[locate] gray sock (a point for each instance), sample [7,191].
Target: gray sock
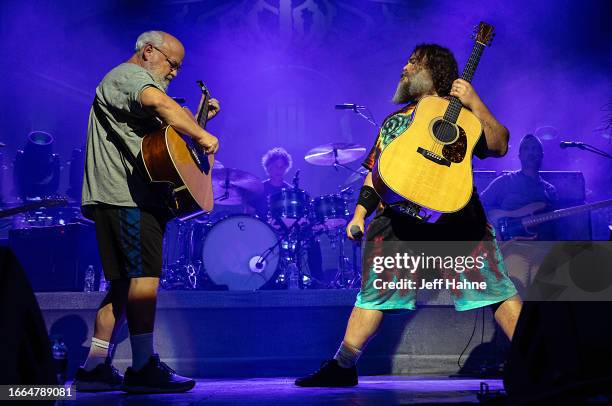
[347,356]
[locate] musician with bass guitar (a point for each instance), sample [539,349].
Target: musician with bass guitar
[130,215]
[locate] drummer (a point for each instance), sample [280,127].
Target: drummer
[276,162]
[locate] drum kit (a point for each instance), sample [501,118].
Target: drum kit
[240,251]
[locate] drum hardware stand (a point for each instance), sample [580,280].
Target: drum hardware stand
[184,272]
[289,256]
[226,186]
[347,276]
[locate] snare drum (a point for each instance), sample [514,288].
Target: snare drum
[241,252]
[289,205]
[330,210]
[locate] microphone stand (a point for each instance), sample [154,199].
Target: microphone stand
[369,119]
[590,148]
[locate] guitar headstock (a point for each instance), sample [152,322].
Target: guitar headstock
[484,33]
[203,87]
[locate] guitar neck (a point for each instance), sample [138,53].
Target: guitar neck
[202,113]
[454,108]
[570,211]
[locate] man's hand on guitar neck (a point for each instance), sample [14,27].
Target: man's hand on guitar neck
[495,133]
[213,108]
[174,115]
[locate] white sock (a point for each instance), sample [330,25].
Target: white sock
[142,349]
[97,353]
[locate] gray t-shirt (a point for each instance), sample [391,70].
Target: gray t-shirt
[109,174]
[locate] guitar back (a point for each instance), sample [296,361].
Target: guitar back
[418,167]
[168,158]
[198,180]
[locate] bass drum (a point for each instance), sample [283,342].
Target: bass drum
[241,252]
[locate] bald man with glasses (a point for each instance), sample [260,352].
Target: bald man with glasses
[130,216]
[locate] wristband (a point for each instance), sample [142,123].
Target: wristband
[369,199]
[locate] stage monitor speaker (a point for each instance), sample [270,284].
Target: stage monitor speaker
[561,350]
[55,258]
[24,343]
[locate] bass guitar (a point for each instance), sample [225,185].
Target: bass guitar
[515,224]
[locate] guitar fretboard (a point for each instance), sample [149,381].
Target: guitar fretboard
[553,215]
[454,108]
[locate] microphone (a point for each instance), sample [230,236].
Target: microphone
[296,179]
[348,106]
[257,264]
[356,232]
[572,144]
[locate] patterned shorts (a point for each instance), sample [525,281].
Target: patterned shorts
[389,226]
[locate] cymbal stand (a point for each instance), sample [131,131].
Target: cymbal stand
[183,273]
[347,275]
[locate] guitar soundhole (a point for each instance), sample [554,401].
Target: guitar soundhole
[444,131]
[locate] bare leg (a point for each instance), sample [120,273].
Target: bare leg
[111,313]
[507,315]
[362,327]
[141,304]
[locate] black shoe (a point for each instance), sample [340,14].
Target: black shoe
[330,375]
[155,377]
[104,377]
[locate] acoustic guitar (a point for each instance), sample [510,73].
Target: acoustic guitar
[515,224]
[182,165]
[430,163]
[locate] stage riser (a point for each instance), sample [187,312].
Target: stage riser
[258,334]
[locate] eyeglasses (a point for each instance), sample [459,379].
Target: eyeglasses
[174,65]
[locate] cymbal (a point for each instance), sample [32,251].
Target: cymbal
[336,152]
[359,175]
[218,165]
[234,186]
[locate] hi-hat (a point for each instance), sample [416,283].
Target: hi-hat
[234,186]
[334,153]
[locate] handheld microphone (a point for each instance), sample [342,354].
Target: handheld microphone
[348,106]
[568,144]
[356,232]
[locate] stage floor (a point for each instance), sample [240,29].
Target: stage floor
[372,390]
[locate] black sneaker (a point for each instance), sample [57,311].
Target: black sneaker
[104,377]
[155,377]
[330,375]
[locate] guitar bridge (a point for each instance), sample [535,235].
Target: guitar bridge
[440,160]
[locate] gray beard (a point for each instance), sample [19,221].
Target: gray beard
[160,80]
[419,84]
[163,83]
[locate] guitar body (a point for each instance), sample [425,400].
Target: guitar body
[418,167]
[509,223]
[171,158]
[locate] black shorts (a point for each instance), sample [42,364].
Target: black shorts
[129,240]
